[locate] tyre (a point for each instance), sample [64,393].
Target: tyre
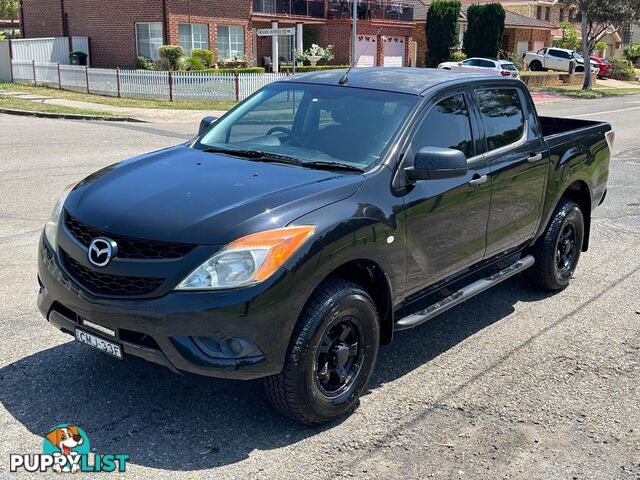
[535,66]
[331,355]
[557,251]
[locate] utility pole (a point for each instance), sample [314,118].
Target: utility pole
[354,17]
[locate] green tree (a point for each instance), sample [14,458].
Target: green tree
[632,52]
[8,9]
[569,38]
[598,16]
[483,37]
[441,29]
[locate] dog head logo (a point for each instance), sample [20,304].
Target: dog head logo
[69,441]
[65,438]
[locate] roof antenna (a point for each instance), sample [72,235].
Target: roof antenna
[344,79]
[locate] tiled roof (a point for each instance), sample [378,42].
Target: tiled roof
[511,19]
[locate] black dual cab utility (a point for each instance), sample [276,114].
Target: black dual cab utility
[294,235]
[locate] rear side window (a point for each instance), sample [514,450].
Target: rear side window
[509,66]
[501,116]
[446,126]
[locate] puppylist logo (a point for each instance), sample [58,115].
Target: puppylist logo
[66,449]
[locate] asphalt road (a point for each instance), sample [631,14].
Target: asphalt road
[512,384]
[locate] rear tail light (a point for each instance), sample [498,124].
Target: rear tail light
[505,73]
[611,138]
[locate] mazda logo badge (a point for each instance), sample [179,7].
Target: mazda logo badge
[101,251]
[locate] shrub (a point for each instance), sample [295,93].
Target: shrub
[309,68]
[514,58]
[632,52]
[172,54]
[483,36]
[161,65]
[441,28]
[235,70]
[457,56]
[191,63]
[144,63]
[622,69]
[205,56]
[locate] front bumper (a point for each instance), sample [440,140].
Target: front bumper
[161,330]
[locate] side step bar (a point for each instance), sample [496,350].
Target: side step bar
[463,294]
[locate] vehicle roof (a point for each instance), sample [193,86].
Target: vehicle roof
[399,80]
[568,50]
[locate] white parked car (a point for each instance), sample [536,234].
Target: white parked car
[484,65]
[557,59]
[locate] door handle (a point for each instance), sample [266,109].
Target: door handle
[535,158]
[478,180]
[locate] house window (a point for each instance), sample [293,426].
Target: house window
[149,39]
[285,47]
[571,17]
[230,41]
[562,15]
[547,13]
[193,36]
[539,12]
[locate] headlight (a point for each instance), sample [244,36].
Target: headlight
[248,260]
[51,227]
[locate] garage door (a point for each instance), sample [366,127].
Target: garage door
[393,51]
[366,51]
[522,48]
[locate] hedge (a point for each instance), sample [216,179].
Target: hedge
[225,70]
[309,68]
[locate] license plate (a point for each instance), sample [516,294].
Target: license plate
[99,343]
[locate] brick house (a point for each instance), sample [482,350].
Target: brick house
[121,29]
[522,33]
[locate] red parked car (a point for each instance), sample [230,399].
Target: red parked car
[604,66]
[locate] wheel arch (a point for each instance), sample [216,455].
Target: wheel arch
[580,193]
[370,276]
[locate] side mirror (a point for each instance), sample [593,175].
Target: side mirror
[206,123]
[431,163]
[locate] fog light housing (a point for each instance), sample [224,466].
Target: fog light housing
[227,347]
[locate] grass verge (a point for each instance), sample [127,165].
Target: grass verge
[20,104]
[118,102]
[598,92]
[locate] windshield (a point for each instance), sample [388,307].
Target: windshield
[577,56]
[313,123]
[509,66]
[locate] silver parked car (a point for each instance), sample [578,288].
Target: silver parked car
[484,65]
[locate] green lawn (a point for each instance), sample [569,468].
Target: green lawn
[20,104]
[119,102]
[597,92]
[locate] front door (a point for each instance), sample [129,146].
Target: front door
[518,160]
[446,220]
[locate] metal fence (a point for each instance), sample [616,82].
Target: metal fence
[142,83]
[52,49]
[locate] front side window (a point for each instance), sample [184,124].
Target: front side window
[149,39]
[313,123]
[447,126]
[230,41]
[193,36]
[502,116]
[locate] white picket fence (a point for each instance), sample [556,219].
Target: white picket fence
[142,83]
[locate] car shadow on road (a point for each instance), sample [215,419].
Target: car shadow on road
[187,423]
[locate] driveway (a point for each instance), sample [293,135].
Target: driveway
[512,384]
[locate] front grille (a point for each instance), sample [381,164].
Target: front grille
[127,247]
[106,284]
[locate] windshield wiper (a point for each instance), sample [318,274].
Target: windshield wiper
[262,156]
[333,166]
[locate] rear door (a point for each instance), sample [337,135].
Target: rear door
[446,219]
[518,160]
